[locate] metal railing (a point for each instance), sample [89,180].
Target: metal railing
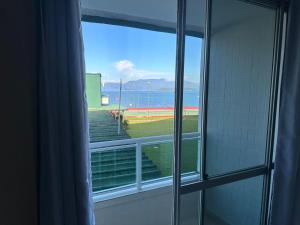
[137,144]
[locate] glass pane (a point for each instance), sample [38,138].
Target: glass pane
[113,168]
[192,84]
[192,90]
[190,213]
[237,203]
[240,70]
[190,156]
[157,160]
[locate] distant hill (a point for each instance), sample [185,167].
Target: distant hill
[148,85]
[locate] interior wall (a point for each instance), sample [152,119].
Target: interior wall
[17,121]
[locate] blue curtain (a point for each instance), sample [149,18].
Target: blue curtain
[286,189]
[64,182]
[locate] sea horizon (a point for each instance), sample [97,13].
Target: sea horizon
[151,98]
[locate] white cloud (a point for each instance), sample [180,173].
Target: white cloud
[124,65]
[128,71]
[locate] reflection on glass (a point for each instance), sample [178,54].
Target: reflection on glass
[237,203]
[113,168]
[239,85]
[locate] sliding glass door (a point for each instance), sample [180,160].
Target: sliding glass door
[238,89]
[182,98]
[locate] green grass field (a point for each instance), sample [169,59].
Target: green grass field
[161,154]
[141,127]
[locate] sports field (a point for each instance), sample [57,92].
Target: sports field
[161,154]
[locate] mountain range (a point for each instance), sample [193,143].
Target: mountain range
[148,85]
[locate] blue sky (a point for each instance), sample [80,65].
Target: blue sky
[130,53]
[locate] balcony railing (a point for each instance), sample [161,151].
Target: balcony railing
[132,165]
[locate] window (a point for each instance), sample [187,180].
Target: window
[229,84]
[130,91]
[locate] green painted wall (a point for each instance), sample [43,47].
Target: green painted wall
[93,89]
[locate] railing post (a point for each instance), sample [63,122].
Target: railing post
[138,160]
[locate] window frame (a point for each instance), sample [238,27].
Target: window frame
[230,177]
[195,184]
[140,186]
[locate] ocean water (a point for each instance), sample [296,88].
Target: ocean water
[138,99]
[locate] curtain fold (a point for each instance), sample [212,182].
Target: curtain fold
[64,182]
[286,189]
